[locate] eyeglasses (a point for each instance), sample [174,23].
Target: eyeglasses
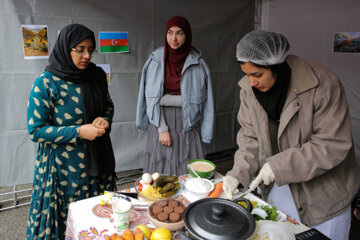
[83,51]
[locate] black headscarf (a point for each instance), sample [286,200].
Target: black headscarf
[94,92]
[274,99]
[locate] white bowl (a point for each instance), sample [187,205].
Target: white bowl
[199,187]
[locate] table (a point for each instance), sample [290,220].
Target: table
[88,220]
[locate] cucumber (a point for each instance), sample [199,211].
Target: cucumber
[168,194]
[167,187]
[176,187]
[164,179]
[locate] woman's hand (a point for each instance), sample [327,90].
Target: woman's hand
[165,138]
[265,175]
[230,186]
[101,123]
[90,132]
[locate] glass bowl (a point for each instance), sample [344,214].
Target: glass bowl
[143,197]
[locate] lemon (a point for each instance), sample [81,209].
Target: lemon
[144,229]
[161,234]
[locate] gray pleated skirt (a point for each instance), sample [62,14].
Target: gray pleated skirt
[184,147]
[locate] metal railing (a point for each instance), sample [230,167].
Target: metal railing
[15,199]
[128,178]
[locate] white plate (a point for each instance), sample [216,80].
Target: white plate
[252,197]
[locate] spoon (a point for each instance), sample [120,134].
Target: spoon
[193,170]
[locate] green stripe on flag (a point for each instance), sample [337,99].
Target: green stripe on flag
[114,48]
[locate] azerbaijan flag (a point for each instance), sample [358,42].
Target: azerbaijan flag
[114,42]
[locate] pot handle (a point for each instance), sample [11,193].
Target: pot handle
[217,211]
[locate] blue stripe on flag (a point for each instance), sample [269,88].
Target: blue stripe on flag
[113,35]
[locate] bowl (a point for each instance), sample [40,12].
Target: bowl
[168,224]
[143,197]
[246,203]
[199,187]
[204,168]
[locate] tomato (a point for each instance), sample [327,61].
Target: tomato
[140,187]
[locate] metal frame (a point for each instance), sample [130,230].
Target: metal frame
[128,178]
[257,16]
[15,199]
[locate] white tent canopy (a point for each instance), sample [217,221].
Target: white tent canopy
[216,26]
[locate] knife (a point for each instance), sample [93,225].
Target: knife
[251,187]
[245,193]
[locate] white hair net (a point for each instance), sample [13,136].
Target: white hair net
[262,48]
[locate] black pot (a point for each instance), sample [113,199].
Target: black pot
[218,219]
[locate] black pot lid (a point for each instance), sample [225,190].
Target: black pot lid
[217,218]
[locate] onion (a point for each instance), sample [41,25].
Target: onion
[260,212]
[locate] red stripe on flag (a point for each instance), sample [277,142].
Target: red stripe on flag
[114,42]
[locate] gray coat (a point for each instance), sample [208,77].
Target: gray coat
[316,154]
[196,93]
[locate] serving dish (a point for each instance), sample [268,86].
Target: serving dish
[143,197]
[253,198]
[168,223]
[193,187]
[204,174]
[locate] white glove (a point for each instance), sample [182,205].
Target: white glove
[230,186]
[265,174]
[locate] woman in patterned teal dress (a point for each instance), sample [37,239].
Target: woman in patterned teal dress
[69,115]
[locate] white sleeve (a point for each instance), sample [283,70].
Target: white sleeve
[162,124]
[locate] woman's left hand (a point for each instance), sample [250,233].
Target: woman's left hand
[165,138]
[100,122]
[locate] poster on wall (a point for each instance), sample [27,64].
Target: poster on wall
[114,42]
[106,68]
[35,41]
[347,42]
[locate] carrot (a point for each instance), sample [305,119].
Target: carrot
[139,234]
[218,189]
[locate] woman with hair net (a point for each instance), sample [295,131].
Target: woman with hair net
[295,137]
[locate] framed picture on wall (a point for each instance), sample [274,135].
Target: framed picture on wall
[35,41]
[347,42]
